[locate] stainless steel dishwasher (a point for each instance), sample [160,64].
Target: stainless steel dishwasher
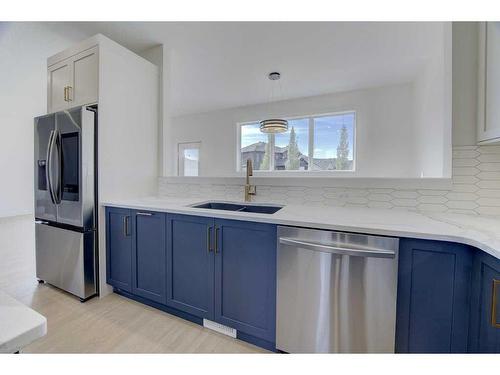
[336,292]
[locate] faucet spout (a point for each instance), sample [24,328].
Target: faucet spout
[249,189]
[249,170]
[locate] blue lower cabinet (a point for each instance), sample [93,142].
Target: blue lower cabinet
[190,259]
[245,277]
[225,270]
[149,263]
[433,297]
[197,268]
[485,305]
[119,248]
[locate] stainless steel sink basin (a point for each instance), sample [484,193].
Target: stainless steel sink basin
[239,207]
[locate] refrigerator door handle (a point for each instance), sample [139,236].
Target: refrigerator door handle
[48,172]
[58,145]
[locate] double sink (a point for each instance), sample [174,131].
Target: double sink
[238,207]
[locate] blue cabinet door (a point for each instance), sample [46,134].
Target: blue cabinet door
[485,305]
[433,297]
[190,260]
[245,277]
[149,263]
[119,248]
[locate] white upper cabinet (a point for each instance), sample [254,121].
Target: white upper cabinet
[59,78]
[85,77]
[488,125]
[73,81]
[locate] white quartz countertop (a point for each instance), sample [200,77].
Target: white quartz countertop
[482,232]
[19,325]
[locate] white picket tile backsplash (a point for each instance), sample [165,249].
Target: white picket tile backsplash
[475,189]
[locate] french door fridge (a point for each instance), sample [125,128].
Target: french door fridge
[65,200]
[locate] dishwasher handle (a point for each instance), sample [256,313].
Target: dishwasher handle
[358,251]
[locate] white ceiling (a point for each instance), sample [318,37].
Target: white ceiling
[216,65]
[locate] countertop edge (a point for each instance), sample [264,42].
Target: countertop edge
[34,324]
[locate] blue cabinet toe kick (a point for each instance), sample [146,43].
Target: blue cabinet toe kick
[271,346]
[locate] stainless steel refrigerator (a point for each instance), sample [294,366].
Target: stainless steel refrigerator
[66,200]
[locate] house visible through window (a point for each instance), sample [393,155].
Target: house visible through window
[254,145]
[312,143]
[189,159]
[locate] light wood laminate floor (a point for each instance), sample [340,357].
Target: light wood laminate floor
[112,324]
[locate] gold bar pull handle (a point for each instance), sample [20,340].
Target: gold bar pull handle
[69,93]
[209,241]
[494,302]
[65,93]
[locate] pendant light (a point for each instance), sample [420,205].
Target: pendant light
[274,125]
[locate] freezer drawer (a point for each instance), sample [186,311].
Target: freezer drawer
[65,259]
[336,292]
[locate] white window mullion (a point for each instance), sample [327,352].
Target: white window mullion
[311,143]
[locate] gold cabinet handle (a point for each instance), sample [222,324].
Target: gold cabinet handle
[494,302]
[209,242]
[217,240]
[67,96]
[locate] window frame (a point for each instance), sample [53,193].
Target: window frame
[180,156]
[271,140]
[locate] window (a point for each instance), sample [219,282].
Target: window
[189,159]
[254,145]
[291,149]
[312,143]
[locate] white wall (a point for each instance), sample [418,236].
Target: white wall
[157,56]
[429,123]
[398,136]
[24,48]
[128,123]
[384,126]
[465,66]
[433,110]
[161,57]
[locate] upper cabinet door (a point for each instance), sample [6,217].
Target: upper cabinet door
[59,79]
[245,277]
[85,78]
[489,83]
[190,261]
